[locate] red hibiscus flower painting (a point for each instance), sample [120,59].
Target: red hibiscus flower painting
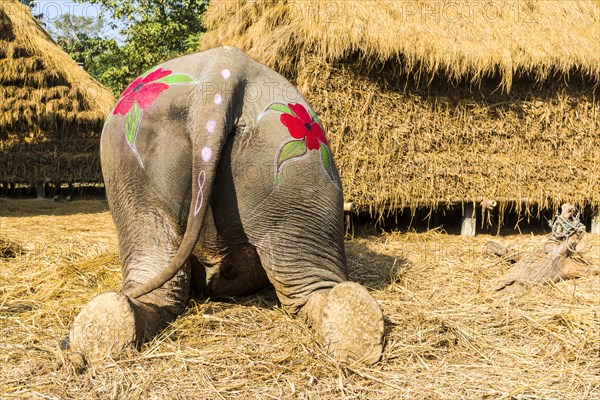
[141,94]
[144,91]
[304,125]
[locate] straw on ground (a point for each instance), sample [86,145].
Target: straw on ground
[447,334]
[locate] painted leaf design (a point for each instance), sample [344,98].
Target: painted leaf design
[326,160]
[292,149]
[280,107]
[177,78]
[133,120]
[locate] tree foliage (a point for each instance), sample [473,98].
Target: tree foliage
[84,40]
[153,31]
[31,4]
[28,3]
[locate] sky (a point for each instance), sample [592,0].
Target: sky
[51,9]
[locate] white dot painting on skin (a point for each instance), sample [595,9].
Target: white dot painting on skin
[206,154]
[210,126]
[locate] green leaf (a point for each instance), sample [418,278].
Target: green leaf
[133,120]
[290,150]
[315,117]
[177,78]
[280,107]
[326,160]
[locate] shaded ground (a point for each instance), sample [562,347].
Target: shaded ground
[447,335]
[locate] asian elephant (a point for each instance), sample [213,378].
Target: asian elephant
[219,178]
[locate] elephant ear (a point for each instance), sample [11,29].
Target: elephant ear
[290,150]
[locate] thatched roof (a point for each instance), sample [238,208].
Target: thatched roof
[430,103]
[51,110]
[461,39]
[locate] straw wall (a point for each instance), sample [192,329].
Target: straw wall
[51,110]
[400,145]
[433,103]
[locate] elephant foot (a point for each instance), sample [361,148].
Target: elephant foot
[349,323]
[104,328]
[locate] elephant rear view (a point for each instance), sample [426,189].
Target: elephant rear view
[219,178]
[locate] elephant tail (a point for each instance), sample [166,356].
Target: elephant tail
[211,120]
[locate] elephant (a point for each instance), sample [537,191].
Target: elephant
[220,180]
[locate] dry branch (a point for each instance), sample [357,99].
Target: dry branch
[554,261]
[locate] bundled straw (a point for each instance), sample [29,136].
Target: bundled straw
[434,103]
[9,249]
[51,110]
[458,39]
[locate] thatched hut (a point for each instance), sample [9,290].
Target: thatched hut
[431,103]
[51,110]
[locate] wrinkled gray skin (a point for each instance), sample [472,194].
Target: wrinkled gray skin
[251,230]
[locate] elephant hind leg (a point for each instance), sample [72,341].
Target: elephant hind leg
[346,319]
[104,328]
[113,321]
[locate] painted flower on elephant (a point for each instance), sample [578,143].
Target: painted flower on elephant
[141,94]
[144,91]
[304,125]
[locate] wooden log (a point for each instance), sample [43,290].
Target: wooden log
[498,250]
[596,223]
[469,220]
[40,189]
[349,206]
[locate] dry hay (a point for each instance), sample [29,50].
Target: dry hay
[459,39]
[8,248]
[447,336]
[437,103]
[51,110]
[434,146]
